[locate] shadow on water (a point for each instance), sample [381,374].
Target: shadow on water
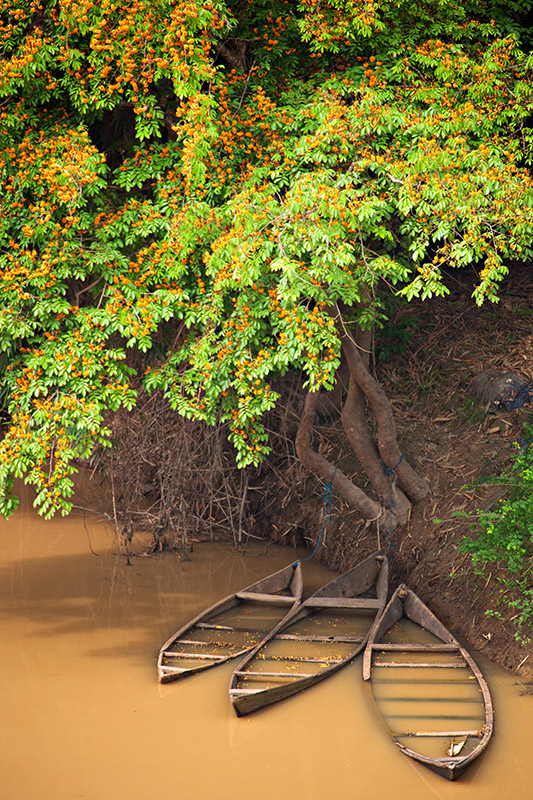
[94,590]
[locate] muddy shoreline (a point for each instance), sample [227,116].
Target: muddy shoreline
[444,434]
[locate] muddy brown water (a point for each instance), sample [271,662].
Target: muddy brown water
[83,715]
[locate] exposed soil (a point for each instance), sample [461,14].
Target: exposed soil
[444,432]
[456,443]
[448,436]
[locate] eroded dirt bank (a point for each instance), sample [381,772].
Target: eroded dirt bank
[185,476]
[448,436]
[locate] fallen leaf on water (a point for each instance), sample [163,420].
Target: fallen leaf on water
[456,747]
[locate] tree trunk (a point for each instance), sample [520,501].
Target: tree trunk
[354,496]
[393,480]
[355,426]
[412,484]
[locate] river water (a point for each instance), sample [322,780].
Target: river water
[83,715]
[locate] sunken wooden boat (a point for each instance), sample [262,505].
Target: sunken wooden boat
[232,626]
[320,637]
[429,691]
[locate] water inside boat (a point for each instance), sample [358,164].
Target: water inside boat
[290,657]
[415,700]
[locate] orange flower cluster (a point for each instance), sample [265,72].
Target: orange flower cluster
[13,68]
[331,24]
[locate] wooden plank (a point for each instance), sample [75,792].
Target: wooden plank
[266,598]
[415,648]
[444,734]
[326,659]
[251,674]
[173,654]
[432,681]
[197,641]
[439,665]
[302,637]
[343,602]
[234,692]
[211,627]
[167,668]
[203,656]
[394,699]
[207,643]
[446,760]
[472,717]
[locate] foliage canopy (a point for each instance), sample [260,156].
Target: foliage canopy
[223,186]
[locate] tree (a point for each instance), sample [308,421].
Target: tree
[229,188]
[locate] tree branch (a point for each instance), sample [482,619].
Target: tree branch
[236,59]
[320,466]
[387,441]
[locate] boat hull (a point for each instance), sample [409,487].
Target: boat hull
[209,639]
[428,658]
[302,642]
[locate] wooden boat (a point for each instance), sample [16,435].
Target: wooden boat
[320,637]
[427,687]
[232,626]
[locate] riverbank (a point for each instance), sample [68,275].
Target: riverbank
[444,432]
[81,631]
[450,439]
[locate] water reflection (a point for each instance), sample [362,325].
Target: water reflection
[84,716]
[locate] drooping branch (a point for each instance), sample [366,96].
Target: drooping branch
[330,403]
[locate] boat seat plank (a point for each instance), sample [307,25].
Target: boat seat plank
[431,681]
[202,644]
[266,598]
[166,669]
[416,648]
[394,699]
[311,637]
[253,674]
[234,692]
[212,627]
[472,717]
[203,656]
[343,602]
[309,659]
[446,760]
[443,734]
[439,665]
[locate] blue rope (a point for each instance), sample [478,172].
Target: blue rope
[391,471]
[327,496]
